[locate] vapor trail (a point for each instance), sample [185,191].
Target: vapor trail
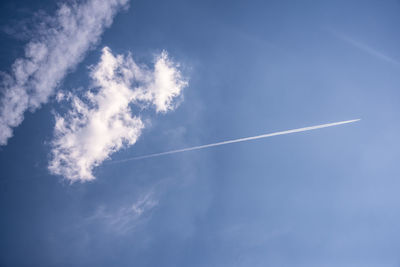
[304,129]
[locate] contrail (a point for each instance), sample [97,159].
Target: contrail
[304,129]
[364,47]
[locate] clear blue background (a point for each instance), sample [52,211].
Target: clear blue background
[323,198]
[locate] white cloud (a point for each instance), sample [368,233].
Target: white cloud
[102,122]
[58,46]
[124,219]
[144,204]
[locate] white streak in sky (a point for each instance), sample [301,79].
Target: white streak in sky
[372,51]
[304,129]
[124,219]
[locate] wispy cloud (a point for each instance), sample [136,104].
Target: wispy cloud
[102,122]
[56,48]
[366,48]
[124,219]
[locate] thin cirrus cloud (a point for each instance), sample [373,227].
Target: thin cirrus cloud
[102,122]
[124,219]
[56,48]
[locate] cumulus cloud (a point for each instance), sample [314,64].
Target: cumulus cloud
[58,46]
[101,122]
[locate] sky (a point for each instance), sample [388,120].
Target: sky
[87,84]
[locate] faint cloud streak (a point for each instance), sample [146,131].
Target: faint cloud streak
[369,50]
[124,219]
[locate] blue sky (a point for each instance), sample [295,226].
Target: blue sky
[231,69]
